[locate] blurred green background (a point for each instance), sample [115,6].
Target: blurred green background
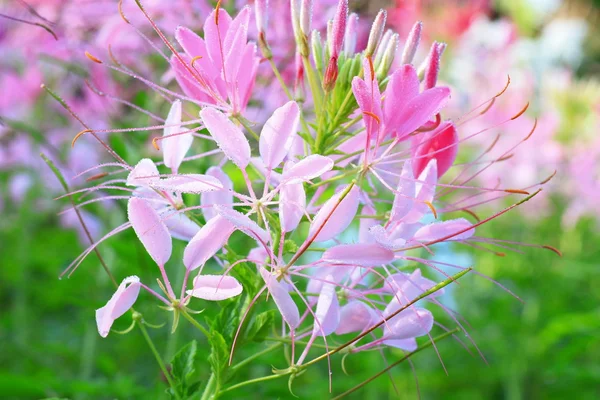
[546,347]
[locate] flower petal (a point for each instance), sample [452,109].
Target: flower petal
[410,323]
[440,144]
[121,301]
[335,216]
[243,223]
[362,254]
[215,287]
[286,305]
[355,316]
[277,134]
[421,109]
[228,136]
[439,230]
[143,174]
[405,198]
[223,196]
[150,229]
[327,313]
[209,239]
[189,183]
[308,168]
[176,144]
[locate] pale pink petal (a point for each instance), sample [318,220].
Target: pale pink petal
[355,316]
[215,287]
[150,229]
[362,254]
[308,168]
[334,216]
[383,238]
[286,305]
[292,203]
[409,344]
[440,144]
[365,224]
[214,34]
[440,230]
[189,183]
[227,135]
[405,198]
[243,223]
[410,323]
[143,174]
[425,188]
[175,147]
[120,302]
[209,239]
[410,285]
[277,134]
[223,196]
[328,309]
[180,226]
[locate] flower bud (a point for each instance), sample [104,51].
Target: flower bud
[299,90]
[382,46]
[317,49]
[331,74]
[388,57]
[338,29]
[301,39]
[433,65]
[306,16]
[350,36]
[412,43]
[376,33]
[261,15]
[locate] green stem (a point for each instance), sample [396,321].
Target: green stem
[246,125]
[315,88]
[251,381]
[159,360]
[428,344]
[280,78]
[255,355]
[208,389]
[197,324]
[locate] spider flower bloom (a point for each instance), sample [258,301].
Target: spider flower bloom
[220,68]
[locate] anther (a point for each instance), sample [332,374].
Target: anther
[432,208]
[155,143]
[372,115]
[521,112]
[80,134]
[97,176]
[93,58]
[505,87]
[517,191]
[553,249]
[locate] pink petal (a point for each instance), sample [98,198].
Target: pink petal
[439,230]
[405,198]
[175,147]
[215,34]
[223,196]
[209,239]
[277,134]
[410,323]
[308,168]
[143,174]
[328,309]
[179,225]
[215,287]
[190,84]
[120,302]
[292,204]
[243,223]
[189,183]
[410,285]
[283,300]
[402,88]
[425,188]
[228,136]
[355,316]
[403,344]
[150,229]
[421,109]
[362,254]
[365,224]
[440,144]
[333,218]
[195,46]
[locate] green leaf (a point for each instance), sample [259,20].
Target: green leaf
[260,326]
[290,247]
[219,355]
[183,370]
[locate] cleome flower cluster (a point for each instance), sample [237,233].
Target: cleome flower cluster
[344,186]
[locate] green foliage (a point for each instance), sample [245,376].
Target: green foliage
[183,371]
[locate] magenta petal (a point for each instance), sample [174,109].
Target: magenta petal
[209,239]
[227,135]
[120,302]
[308,168]
[286,305]
[189,183]
[277,134]
[175,147]
[215,287]
[334,218]
[440,144]
[402,88]
[421,109]
[355,316]
[243,223]
[150,229]
[440,230]
[143,174]
[223,197]
[214,34]
[328,309]
[361,254]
